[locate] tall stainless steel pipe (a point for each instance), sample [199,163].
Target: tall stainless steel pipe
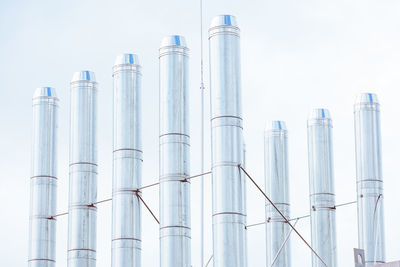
[43,182]
[277,188]
[322,192]
[127,164]
[371,235]
[229,215]
[175,231]
[83,171]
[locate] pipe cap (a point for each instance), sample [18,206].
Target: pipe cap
[319,114]
[126,58]
[319,117]
[366,98]
[173,40]
[84,75]
[277,126]
[45,92]
[224,20]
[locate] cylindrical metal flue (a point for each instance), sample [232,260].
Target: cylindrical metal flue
[229,216]
[277,188]
[175,231]
[43,181]
[82,212]
[127,164]
[322,192]
[371,235]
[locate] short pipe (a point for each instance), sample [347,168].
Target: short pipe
[43,181]
[371,233]
[322,192]
[277,188]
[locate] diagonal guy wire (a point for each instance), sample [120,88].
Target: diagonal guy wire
[281,214]
[147,207]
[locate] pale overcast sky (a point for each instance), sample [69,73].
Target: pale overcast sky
[296,55]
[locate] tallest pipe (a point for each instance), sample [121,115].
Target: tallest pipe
[42,227]
[229,213]
[371,236]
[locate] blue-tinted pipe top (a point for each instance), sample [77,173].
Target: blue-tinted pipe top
[173,40]
[85,75]
[277,125]
[45,92]
[127,58]
[224,20]
[320,113]
[367,98]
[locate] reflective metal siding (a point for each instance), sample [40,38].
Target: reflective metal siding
[277,188]
[127,163]
[371,234]
[83,171]
[229,216]
[43,181]
[175,225]
[322,192]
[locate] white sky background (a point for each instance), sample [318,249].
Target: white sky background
[295,55]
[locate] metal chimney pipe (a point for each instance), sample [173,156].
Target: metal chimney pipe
[277,188]
[322,193]
[175,231]
[127,164]
[43,182]
[82,212]
[371,235]
[229,216]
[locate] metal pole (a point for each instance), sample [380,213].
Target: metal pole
[175,231]
[43,181]
[277,188]
[229,217]
[202,138]
[83,171]
[322,193]
[127,164]
[371,234]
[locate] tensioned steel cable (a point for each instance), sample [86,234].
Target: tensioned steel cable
[209,260]
[136,191]
[291,230]
[302,217]
[345,204]
[101,201]
[60,214]
[251,179]
[283,244]
[283,216]
[375,225]
[147,207]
